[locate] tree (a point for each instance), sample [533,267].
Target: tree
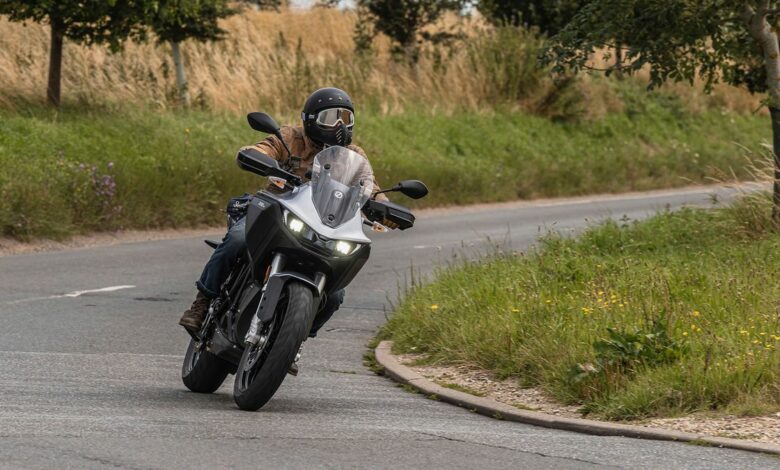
[175,21]
[550,16]
[734,41]
[403,20]
[82,21]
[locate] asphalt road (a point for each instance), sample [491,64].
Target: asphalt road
[92,379]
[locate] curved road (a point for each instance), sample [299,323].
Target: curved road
[91,379]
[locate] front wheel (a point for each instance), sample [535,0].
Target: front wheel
[202,372]
[263,368]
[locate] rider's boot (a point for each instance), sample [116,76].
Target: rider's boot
[293,369]
[193,318]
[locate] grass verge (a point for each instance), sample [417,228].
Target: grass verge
[667,316]
[78,171]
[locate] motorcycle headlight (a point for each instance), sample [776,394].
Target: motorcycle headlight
[344,248]
[296,225]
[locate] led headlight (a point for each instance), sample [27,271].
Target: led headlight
[296,225]
[344,248]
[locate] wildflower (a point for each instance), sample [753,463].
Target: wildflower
[187,130]
[548,301]
[693,327]
[755,341]
[685,333]
[743,332]
[434,307]
[515,310]
[695,313]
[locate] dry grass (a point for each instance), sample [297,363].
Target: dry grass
[272,60]
[269,60]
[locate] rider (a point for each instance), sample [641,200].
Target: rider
[328,119]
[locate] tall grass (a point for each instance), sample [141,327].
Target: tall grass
[271,61]
[671,315]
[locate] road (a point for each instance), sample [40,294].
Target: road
[91,379]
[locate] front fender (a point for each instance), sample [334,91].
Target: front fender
[273,290]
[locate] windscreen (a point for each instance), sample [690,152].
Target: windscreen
[341,182]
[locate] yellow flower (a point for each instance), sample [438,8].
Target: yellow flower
[434,307]
[685,333]
[693,327]
[515,310]
[755,341]
[743,332]
[548,301]
[695,313]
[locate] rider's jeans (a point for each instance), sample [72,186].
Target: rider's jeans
[219,265]
[221,262]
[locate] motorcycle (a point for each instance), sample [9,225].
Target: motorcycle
[301,246]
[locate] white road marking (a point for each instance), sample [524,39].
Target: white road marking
[74,294]
[81,292]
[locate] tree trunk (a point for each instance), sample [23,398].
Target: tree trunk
[181,78]
[766,36]
[55,64]
[618,60]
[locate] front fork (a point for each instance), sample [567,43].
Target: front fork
[253,335]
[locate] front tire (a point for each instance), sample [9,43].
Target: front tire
[202,372]
[262,370]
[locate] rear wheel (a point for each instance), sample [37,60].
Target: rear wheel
[263,367]
[202,372]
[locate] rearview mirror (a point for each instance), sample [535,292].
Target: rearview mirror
[414,189]
[263,123]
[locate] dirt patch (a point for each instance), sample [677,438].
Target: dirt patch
[466,378]
[10,246]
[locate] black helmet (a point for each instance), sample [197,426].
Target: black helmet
[328,117]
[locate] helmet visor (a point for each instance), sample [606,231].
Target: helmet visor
[334,116]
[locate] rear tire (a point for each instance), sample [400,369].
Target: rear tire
[203,372]
[256,383]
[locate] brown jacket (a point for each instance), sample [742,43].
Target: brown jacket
[303,150]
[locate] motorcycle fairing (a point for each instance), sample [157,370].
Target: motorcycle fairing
[265,229]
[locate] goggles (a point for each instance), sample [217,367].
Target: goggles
[334,116]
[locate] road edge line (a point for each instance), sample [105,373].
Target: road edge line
[497,410]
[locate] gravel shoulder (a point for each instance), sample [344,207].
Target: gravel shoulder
[11,246]
[478,382]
